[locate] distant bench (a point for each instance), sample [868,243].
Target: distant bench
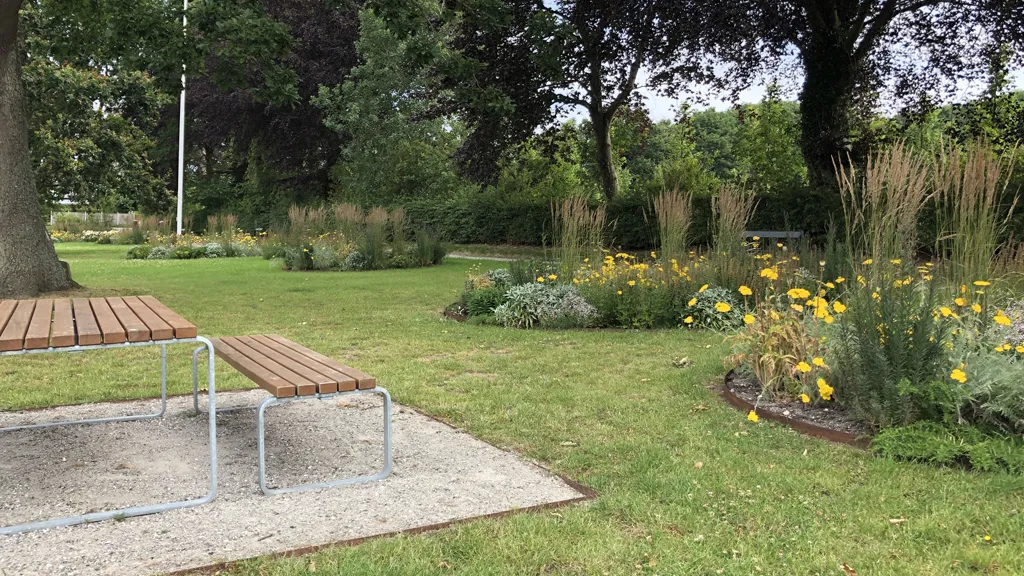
[789,235]
[292,372]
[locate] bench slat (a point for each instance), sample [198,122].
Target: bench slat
[136,328]
[63,332]
[38,334]
[159,329]
[86,328]
[113,332]
[258,374]
[303,387]
[324,384]
[13,336]
[345,382]
[364,381]
[182,328]
[6,310]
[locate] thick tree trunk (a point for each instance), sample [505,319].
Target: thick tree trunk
[825,108]
[606,164]
[28,262]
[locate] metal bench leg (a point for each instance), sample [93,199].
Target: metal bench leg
[262,452]
[152,508]
[195,388]
[134,418]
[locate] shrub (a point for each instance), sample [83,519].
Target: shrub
[429,249]
[500,277]
[555,305]
[214,250]
[482,302]
[138,252]
[159,253]
[374,240]
[674,210]
[300,258]
[935,443]
[355,261]
[713,307]
[188,252]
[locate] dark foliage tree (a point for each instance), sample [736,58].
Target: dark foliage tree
[851,50]
[518,63]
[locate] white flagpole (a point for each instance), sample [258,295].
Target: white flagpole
[181,134]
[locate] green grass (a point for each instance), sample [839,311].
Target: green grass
[607,408]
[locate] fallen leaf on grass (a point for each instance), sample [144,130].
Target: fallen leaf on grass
[848,571]
[897,521]
[569,443]
[683,362]
[698,465]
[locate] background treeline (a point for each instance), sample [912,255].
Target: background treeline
[316,102]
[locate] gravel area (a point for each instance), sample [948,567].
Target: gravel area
[440,474]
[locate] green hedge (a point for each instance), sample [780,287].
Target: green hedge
[484,218]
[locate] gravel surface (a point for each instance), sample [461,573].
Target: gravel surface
[440,474]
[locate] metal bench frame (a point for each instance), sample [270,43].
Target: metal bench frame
[135,510]
[261,410]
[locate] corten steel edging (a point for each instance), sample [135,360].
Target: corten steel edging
[798,425]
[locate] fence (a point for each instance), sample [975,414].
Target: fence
[100,219]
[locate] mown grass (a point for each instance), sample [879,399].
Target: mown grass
[687,485]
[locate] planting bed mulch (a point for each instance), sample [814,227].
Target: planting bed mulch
[829,421]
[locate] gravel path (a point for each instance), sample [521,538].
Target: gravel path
[440,474]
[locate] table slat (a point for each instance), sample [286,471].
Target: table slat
[38,334]
[159,329]
[13,336]
[86,327]
[136,328]
[324,384]
[365,381]
[303,387]
[258,374]
[113,332]
[345,382]
[182,328]
[63,332]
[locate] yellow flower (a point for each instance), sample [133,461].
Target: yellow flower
[958,375]
[868,262]
[749,319]
[797,307]
[839,307]
[976,308]
[803,367]
[819,362]
[798,293]
[779,245]
[552,277]
[654,255]
[840,280]
[540,279]
[770,274]
[946,312]
[960,302]
[692,302]
[746,291]
[752,416]
[1020,349]
[829,285]
[702,289]
[805,398]
[824,390]
[620,292]
[688,320]
[829,319]
[1002,319]
[982,283]
[631,283]
[722,307]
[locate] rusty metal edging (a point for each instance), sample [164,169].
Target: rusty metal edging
[798,425]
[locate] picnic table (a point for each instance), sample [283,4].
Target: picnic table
[63,325]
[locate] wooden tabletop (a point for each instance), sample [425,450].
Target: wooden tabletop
[66,322]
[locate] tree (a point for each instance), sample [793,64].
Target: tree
[519,62]
[852,49]
[28,261]
[767,145]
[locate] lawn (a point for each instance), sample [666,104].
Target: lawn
[686,484]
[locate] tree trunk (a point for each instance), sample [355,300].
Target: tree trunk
[606,164]
[28,262]
[825,108]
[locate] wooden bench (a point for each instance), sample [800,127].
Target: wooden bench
[291,372]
